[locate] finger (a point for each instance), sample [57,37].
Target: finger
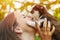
[53,29]
[38,27]
[49,26]
[44,24]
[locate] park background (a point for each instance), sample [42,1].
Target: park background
[25,6]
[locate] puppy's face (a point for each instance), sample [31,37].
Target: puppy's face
[35,15]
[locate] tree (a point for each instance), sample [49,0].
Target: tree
[1,15]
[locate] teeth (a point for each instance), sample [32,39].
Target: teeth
[32,23]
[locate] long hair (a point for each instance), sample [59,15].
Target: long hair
[6,25]
[43,11]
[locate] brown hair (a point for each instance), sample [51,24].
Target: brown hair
[42,11]
[6,32]
[38,8]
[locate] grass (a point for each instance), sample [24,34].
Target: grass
[37,38]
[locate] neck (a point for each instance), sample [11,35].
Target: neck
[27,36]
[28,33]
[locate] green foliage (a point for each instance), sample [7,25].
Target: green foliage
[25,5]
[57,13]
[37,38]
[1,15]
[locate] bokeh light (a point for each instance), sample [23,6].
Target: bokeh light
[25,6]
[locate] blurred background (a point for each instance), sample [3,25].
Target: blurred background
[25,6]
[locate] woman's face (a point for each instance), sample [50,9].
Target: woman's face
[18,29]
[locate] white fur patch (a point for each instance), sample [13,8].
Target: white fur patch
[32,23]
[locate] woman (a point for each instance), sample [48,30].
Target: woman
[11,26]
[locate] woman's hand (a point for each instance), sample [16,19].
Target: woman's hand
[44,32]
